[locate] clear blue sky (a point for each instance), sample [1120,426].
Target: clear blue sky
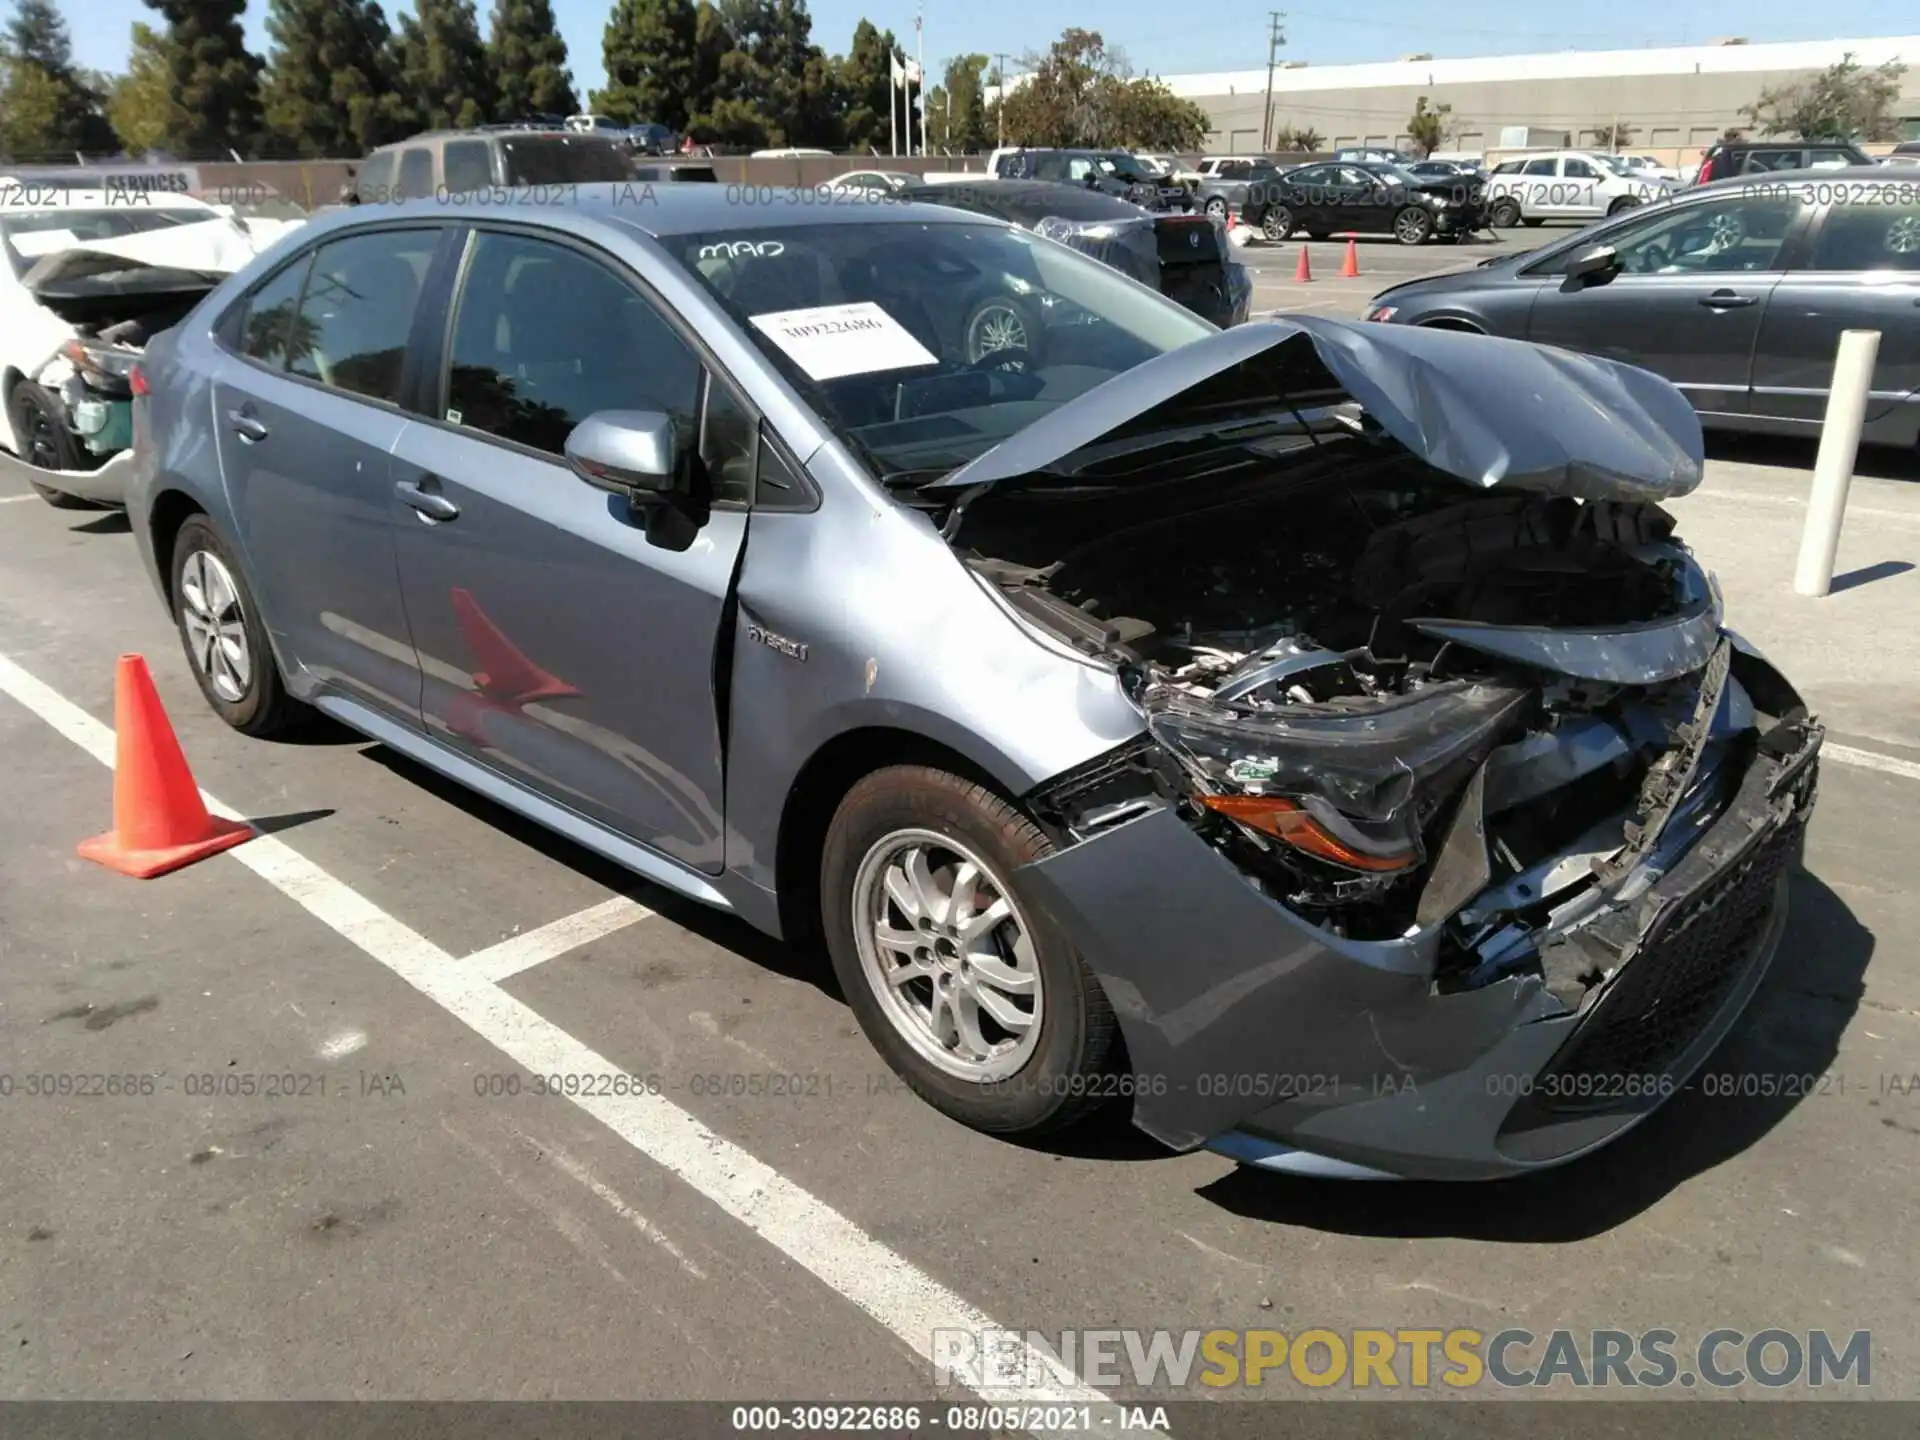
[1172,36]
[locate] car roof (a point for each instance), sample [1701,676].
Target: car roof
[666,209]
[1863,173]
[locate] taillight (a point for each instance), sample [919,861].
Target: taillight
[137,381]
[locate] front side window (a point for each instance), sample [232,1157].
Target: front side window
[925,344]
[1869,237]
[1540,167]
[1734,234]
[1828,159]
[351,330]
[1773,160]
[544,336]
[416,175]
[1580,170]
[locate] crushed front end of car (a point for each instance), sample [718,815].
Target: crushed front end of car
[1458,831]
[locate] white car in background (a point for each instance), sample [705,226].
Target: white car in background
[877,182]
[87,277]
[1563,185]
[1642,167]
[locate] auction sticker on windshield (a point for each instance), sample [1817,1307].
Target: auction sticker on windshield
[829,341]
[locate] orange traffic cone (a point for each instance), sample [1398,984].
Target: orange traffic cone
[1350,267]
[159,822]
[1302,272]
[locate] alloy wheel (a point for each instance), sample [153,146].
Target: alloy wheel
[948,955]
[995,327]
[1411,227]
[1277,224]
[215,625]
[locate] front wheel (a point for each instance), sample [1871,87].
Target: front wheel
[1413,226]
[1504,213]
[225,638]
[1277,224]
[967,991]
[1217,209]
[999,323]
[41,438]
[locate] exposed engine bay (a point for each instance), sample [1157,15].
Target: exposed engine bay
[93,376]
[1327,670]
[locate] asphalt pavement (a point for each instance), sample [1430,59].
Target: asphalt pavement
[339,1185]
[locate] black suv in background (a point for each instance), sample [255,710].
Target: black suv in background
[1111,172]
[458,162]
[1753,157]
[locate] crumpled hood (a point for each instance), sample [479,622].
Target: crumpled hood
[213,247]
[1484,410]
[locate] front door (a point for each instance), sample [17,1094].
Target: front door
[557,645]
[1862,273]
[306,410]
[1686,299]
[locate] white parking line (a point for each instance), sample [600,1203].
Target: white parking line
[883,1283]
[9,499]
[1871,760]
[536,947]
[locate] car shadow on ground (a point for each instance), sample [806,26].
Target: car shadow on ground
[108,522]
[714,926]
[1785,1042]
[1795,452]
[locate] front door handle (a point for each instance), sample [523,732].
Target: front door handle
[246,425]
[431,504]
[1725,300]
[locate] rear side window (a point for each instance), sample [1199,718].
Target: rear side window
[374,184]
[545,336]
[351,331]
[269,315]
[1869,237]
[416,175]
[1539,167]
[1772,160]
[468,165]
[1829,159]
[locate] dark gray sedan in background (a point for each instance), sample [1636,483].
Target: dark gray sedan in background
[1269,729]
[1737,292]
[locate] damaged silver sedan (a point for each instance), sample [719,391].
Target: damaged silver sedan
[1310,735]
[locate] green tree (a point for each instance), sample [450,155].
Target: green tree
[443,66]
[216,79]
[1845,101]
[1298,138]
[1613,135]
[649,53]
[957,107]
[1081,93]
[866,77]
[529,60]
[1428,125]
[328,88]
[140,103]
[48,108]
[712,42]
[774,86]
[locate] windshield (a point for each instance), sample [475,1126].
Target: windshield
[564,160]
[27,235]
[925,345]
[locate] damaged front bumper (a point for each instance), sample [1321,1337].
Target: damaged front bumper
[1269,1039]
[106,485]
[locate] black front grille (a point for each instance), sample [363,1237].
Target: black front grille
[1690,961]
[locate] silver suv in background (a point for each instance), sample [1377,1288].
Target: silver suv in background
[461,162]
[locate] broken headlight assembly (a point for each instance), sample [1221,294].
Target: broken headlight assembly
[99,393]
[102,366]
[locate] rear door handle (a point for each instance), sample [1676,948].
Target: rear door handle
[431,504]
[246,425]
[1725,300]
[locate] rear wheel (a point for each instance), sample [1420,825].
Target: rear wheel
[967,991]
[42,440]
[1277,224]
[1217,208]
[225,638]
[1624,202]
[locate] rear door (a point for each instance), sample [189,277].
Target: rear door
[558,645]
[1687,298]
[1861,271]
[307,412]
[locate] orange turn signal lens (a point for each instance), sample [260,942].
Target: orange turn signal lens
[1283,819]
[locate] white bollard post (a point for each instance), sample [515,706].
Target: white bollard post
[1833,467]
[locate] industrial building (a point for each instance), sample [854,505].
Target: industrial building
[1675,99]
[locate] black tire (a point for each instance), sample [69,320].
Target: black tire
[1078,1045]
[41,439]
[1504,213]
[1624,202]
[1277,224]
[263,709]
[1217,209]
[1413,225]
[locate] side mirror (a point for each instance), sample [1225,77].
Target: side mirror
[629,452]
[1600,260]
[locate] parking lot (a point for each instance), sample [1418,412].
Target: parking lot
[1382,261]
[397,959]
